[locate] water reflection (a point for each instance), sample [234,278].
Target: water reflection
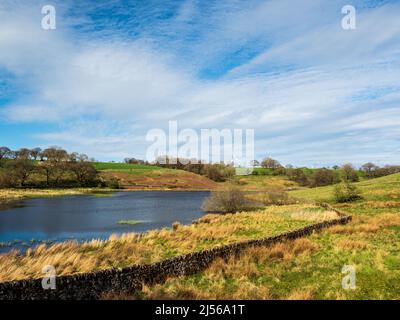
[25,223]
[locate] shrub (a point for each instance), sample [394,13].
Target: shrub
[299,176]
[270,163]
[380,172]
[85,173]
[176,225]
[218,172]
[6,180]
[276,195]
[113,184]
[280,171]
[349,173]
[346,192]
[20,170]
[324,177]
[228,200]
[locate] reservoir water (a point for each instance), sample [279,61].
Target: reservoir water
[30,222]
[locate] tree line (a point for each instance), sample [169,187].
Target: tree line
[218,172]
[325,176]
[51,167]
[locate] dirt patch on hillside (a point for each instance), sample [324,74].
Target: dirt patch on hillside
[155,180]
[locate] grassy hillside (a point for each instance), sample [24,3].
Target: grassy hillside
[144,177]
[379,189]
[258,183]
[159,179]
[122,166]
[311,268]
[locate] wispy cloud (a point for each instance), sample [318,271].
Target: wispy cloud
[314,93]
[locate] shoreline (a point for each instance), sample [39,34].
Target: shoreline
[13,194]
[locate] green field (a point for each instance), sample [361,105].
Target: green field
[307,171]
[122,166]
[380,189]
[311,267]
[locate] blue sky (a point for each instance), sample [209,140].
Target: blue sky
[315,94]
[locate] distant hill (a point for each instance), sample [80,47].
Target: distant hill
[135,176]
[377,189]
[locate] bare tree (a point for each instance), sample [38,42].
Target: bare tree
[4,152]
[349,174]
[324,177]
[83,158]
[20,169]
[24,153]
[73,156]
[270,163]
[55,154]
[35,153]
[255,163]
[84,171]
[369,167]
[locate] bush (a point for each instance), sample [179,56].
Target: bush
[218,172]
[112,184]
[324,177]
[176,225]
[228,200]
[270,163]
[20,170]
[84,172]
[346,192]
[276,195]
[6,180]
[380,172]
[280,171]
[299,176]
[348,173]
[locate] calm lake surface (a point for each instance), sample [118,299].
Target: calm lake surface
[33,221]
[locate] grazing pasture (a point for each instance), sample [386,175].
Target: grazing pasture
[311,268]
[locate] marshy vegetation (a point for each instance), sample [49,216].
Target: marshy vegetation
[271,201]
[129,249]
[311,268]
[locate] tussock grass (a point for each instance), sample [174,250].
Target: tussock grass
[236,279]
[129,249]
[310,268]
[18,194]
[307,268]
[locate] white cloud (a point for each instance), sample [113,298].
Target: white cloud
[106,93]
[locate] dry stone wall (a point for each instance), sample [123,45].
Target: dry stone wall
[94,285]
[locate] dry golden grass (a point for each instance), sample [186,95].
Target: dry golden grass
[233,279]
[303,269]
[301,294]
[314,216]
[310,268]
[17,194]
[261,183]
[129,249]
[348,244]
[382,204]
[368,224]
